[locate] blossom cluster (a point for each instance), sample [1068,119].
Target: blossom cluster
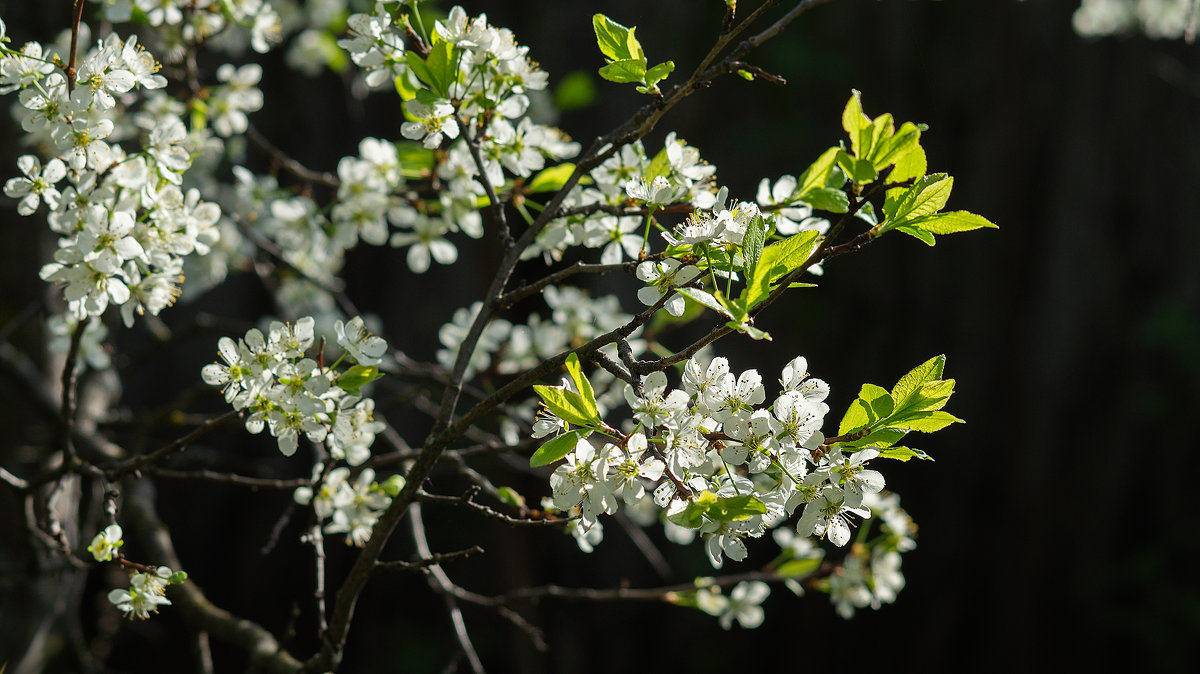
[713,437]
[270,378]
[474,91]
[280,389]
[146,592]
[351,506]
[124,219]
[178,22]
[147,585]
[718,464]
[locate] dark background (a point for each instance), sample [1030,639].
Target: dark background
[1056,524]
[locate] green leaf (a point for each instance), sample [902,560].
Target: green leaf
[817,176]
[583,386]
[924,236]
[557,448]
[625,71]
[828,199]
[356,377]
[861,171]
[903,454]
[613,38]
[660,165]
[878,400]
[873,403]
[892,149]
[910,384]
[418,67]
[633,46]
[551,179]
[923,422]
[734,508]
[510,496]
[746,75]
[708,505]
[784,257]
[576,90]
[566,405]
[414,158]
[177,578]
[704,298]
[949,223]
[910,167]
[925,197]
[884,437]
[752,243]
[438,70]
[692,516]
[873,136]
[754,333]
[856,418]
[659,72]
[799,568]
[854,121]
[933,395]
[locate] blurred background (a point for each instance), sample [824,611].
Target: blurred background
[1054,525]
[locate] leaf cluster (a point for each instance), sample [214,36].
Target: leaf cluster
[880,418]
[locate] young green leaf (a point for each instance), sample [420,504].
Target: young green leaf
[567,405]
[798,568]
[856,418]
[903,454]
[817,176]
[828,199]
[776,261]
[625,71]
[883,437]
[708,505]
[949,223]
[894,148]
[352,380]
[558,447]
[704,298]
[613,38]
[925,197]
[551,179]
[879,401]
[910,384]
[924,236]
[854,121]
[752,243]
[861,171]
[910,167]
[923,422]
[582,385]
[659,72]
[510,496]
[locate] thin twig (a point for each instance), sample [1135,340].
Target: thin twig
[254,483]
[317,539]
[138,462]
[466,502]
[425,562]
[521,292]
[644,545]
[440,581]
[291,165]
[497,207]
